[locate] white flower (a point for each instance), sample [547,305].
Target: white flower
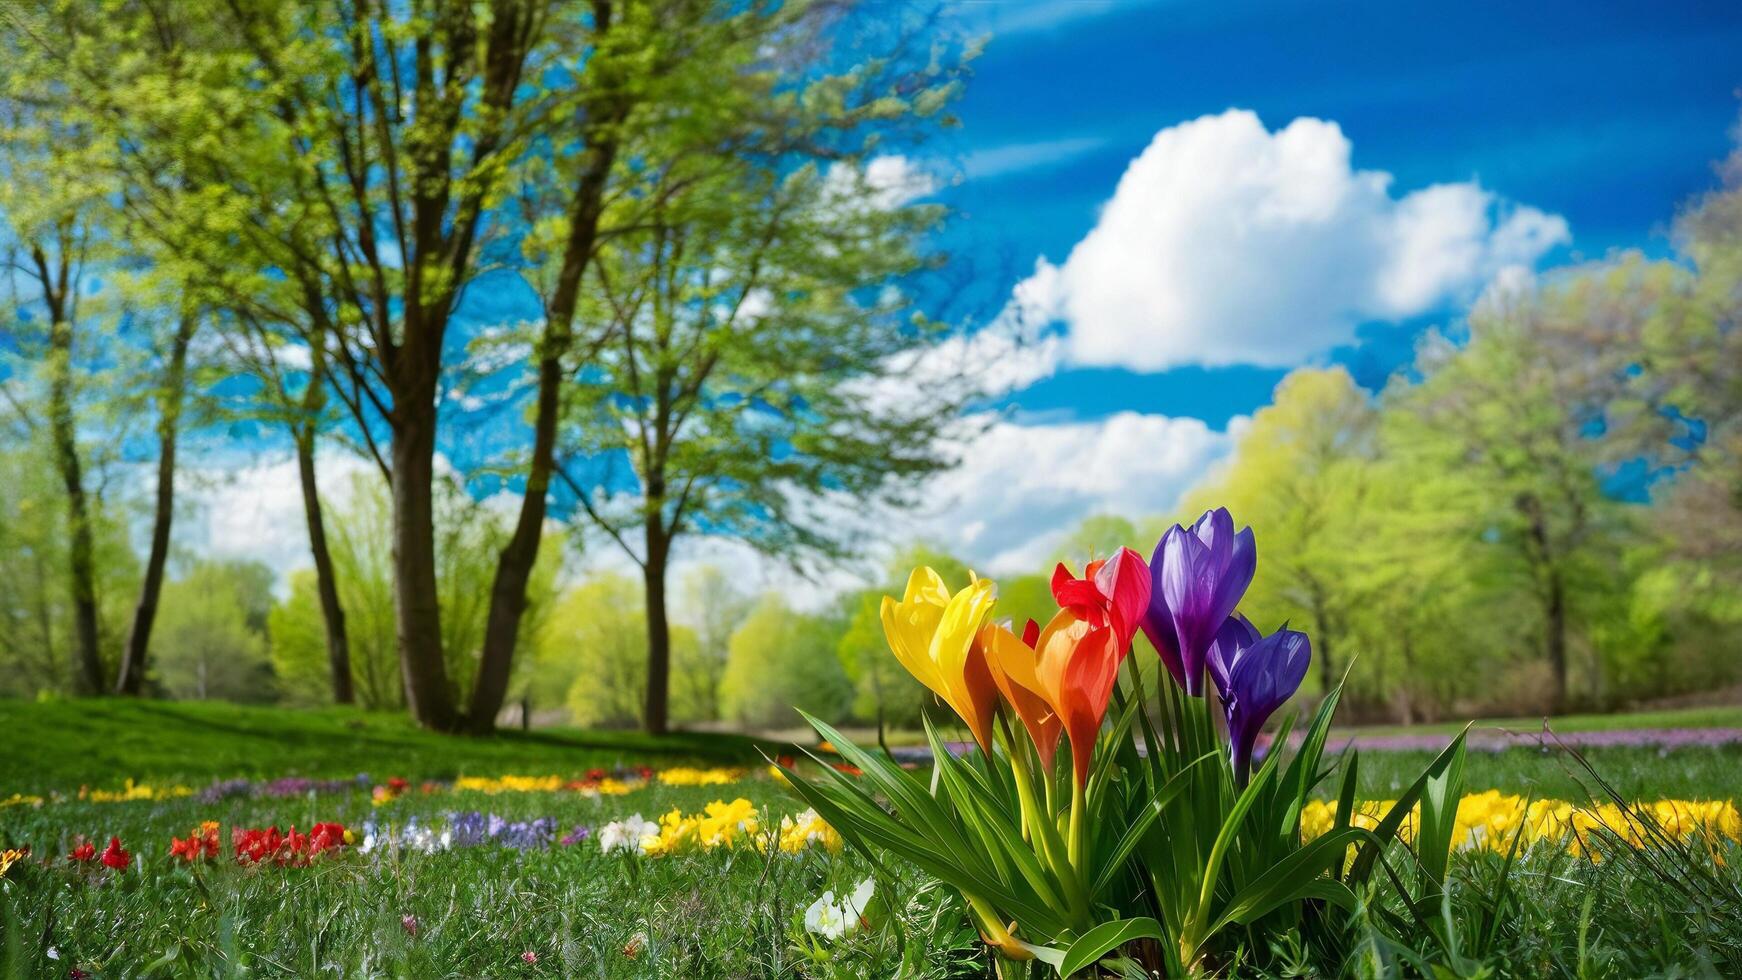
[824,918]
[832,920]
[626,835]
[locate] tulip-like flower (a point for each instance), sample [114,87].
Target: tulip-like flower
[932,633]
[1255,675]
[1199,575]
[1078,663]
[1113,592]
[1014,663]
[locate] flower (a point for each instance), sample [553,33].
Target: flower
[115,856]
[1078,663]
[932,633]
[83,852]
[529,956]
[1259,675]
[575,836]
[831,920]
[201,842]
[626,834]
[409,924]
[632,949]
[11,856]
[1013,662]
[1197,579]
[1112,592]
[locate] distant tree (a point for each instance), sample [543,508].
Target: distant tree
[883,691]
[206,646]
[1299,477]
[782,659]
[589,656]
[1098,536]
[713,606]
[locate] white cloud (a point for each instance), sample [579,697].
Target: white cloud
[1020,487]
[255,512]
[1225,243]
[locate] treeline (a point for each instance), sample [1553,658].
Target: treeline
[649,264]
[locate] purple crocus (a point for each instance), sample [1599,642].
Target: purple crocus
[1198,576]
[1255,676]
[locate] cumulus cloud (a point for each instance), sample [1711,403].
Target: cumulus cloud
[1021,487]
[1226,243]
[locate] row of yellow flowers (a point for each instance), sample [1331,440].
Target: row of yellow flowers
[1492,819]
[132,791]
[719,825]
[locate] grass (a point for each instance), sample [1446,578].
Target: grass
[62,745]
[476,911]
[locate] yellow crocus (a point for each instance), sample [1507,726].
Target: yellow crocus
[931,633]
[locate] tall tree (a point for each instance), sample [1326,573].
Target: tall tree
[351,151]
[171,393]
[753,303]
[51,224]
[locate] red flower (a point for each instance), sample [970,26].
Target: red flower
[115,856]
[326,837]
[397,784]
[201,842]
[255,845]
[529,956]
[596,774]
[646,772]
[84,853]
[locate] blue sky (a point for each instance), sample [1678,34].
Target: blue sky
[1608,115]
[1183,201]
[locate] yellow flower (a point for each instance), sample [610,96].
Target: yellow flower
[931,633]
[11,855]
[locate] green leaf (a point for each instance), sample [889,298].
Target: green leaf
[1105,938]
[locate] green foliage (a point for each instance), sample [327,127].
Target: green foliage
[591,657]
[468,537]
[210,639]
[782,661]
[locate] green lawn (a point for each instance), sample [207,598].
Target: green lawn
[65,744]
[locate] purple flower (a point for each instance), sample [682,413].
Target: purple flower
[1198,576]
[575,836]
[468,829]
[527,834]
[1255,676]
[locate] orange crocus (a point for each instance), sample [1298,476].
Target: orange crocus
[1012,661]
[932,633]
[1076,667]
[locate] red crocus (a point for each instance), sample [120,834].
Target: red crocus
[83,853]
[326,837]
[1077,663]
[116,856]
[1113,593]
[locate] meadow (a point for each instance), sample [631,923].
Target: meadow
[526,891]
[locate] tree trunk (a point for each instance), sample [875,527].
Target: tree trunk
[326,583]
[1322,644]
[169,404]
[655,718]
[81,570]
[1555,625]
[514,564]
[416,604]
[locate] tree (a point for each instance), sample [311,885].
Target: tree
[1299,478]
[782,660]
[210,642]
[350,152]
[170,395]
[755,308]
[51,224]
[714,607]
[1532,410]
[468,535]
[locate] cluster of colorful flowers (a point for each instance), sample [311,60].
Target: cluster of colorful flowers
[597,782]
[1491,820]
[251,845]
[720,824]
[468,829]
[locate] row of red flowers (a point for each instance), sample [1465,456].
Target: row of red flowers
[251,845]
